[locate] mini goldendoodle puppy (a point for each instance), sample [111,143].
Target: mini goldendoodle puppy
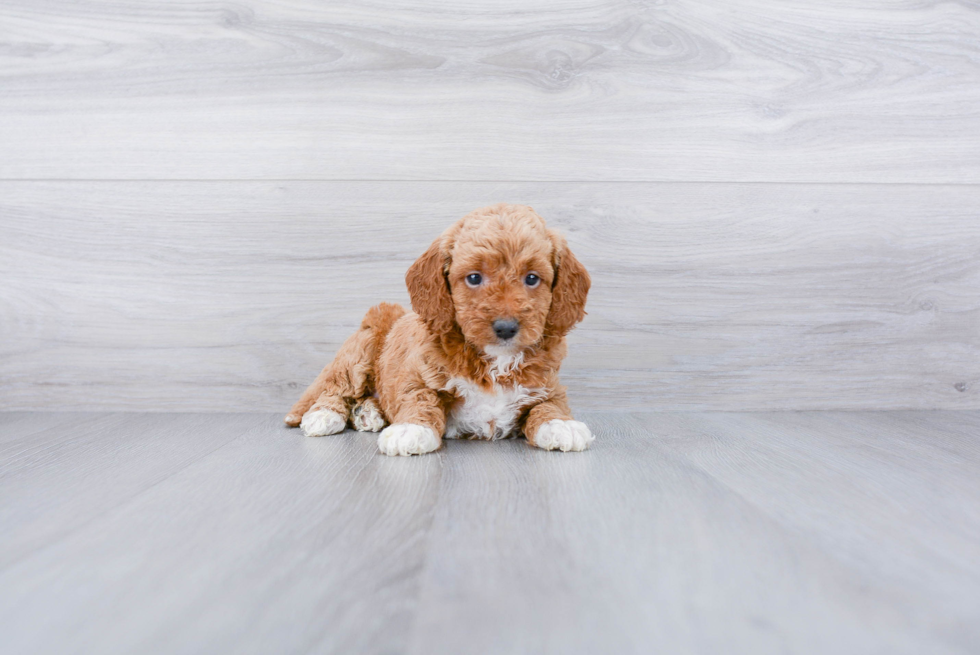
[494,297]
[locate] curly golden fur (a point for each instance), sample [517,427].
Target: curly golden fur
[445,370]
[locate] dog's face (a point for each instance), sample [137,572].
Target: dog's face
[500,274]
[503,278]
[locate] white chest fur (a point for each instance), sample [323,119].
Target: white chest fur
[486,414]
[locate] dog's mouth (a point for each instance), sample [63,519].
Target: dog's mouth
[502,349]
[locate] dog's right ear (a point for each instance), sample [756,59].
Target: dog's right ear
[428,288]
[569,291]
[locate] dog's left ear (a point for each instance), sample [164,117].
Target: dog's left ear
[569,289]
[429,289]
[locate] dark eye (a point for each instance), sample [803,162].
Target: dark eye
[531,280]
[474,279]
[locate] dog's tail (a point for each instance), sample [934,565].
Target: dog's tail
[378,321]
[351,374]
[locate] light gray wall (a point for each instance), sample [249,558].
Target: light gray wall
[779,201]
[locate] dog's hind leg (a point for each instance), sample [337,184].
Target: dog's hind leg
[323,384]
[325,406]
[367,415]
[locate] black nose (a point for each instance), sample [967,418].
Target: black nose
[505,328]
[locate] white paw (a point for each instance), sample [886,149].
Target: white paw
[367,417]
[407,439]
[563,435]
[321,422]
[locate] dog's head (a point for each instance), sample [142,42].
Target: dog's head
[502,277]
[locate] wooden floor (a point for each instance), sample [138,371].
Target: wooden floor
[811,532]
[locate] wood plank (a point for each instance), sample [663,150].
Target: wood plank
[609,90]
[14,426]
[231,296]
[807,532]
[56,480]
[639,547]
[270,543]
[894,498]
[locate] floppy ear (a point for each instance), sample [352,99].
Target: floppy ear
[568,290]
[429,289]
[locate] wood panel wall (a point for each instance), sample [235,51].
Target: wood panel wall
[779,201]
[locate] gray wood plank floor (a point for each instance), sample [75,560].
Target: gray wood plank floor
[679,532]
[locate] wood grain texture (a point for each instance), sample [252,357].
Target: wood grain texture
[271,543]
[232,296]
[94,461]
[800,532]
[609,90]
[721,533]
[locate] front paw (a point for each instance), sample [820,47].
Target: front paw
[321,422]
[563,435]
[407,439]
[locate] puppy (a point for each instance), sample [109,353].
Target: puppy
[494,297]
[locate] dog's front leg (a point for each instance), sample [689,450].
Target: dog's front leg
[418,419]
[549,425]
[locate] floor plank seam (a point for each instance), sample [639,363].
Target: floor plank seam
[426,567]
[329,180]
[109,510]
